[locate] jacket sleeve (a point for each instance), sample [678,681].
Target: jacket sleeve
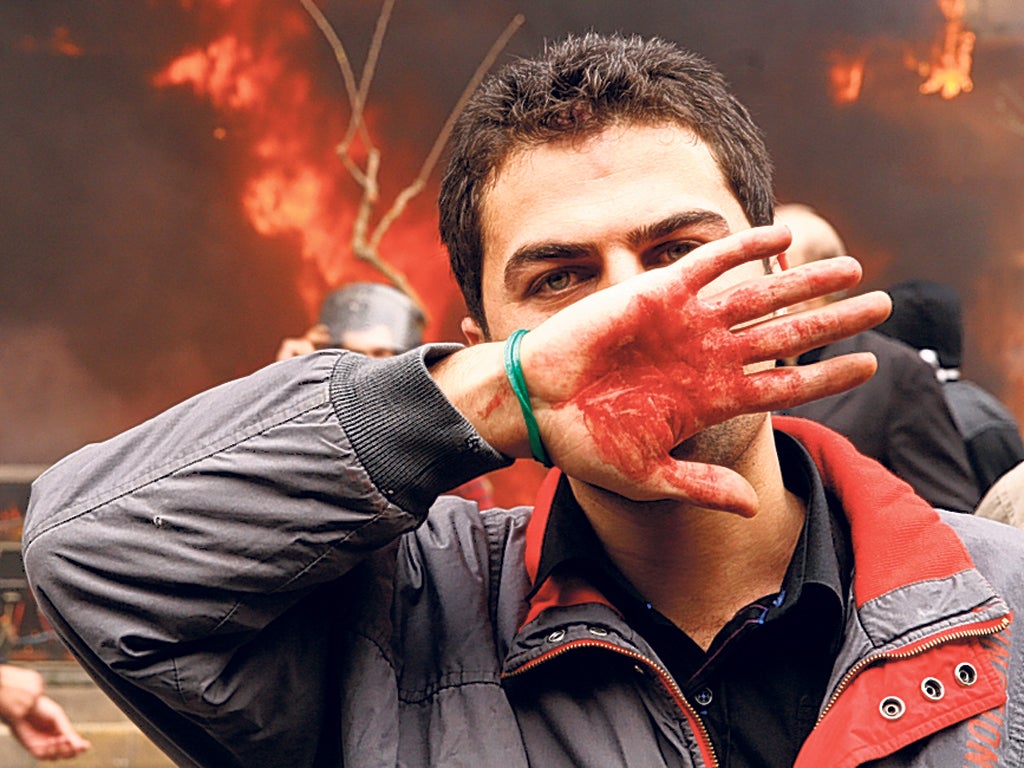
[195,564]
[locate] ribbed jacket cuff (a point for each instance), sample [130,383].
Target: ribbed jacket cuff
[413,443]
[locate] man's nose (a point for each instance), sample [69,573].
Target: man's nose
[620,265]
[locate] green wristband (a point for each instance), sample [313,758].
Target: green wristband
[514,371]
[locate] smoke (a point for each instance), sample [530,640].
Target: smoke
[133,278]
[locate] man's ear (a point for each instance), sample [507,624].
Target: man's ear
[472,331]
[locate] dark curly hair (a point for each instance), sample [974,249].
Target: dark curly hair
[578,87]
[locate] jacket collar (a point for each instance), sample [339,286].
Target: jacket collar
[554,592]
[898,538]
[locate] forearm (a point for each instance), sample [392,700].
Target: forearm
[475,382]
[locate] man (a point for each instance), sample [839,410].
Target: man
[928,316]
[900,417]
[371,318]
[266,582]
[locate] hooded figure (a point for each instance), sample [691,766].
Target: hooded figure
[928,316]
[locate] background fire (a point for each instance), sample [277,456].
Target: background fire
[172,204]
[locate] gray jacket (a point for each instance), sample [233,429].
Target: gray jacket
[256,579]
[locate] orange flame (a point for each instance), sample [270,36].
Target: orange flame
[846,77]
[227,71]
[60,42]
[949,72]
[297,186]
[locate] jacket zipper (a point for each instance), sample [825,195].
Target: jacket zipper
[666,680]
[988,628]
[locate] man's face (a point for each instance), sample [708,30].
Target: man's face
[561,221]
[377,341]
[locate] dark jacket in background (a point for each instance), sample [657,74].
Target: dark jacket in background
[928,316]
[899,417]
[990,432]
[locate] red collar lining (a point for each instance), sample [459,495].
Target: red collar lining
[898,538]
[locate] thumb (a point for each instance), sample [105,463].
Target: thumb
[706,485]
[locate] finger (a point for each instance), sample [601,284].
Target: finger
[763,296]
[319,336]
[715,258]
[706,485]
[794,385]
[792,335]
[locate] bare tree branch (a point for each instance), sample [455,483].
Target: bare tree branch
[368,71]
[349,78]
[481,70]
[365,247]
[420,181]
[347,75]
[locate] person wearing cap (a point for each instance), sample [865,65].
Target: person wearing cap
[374,319]
[928,316]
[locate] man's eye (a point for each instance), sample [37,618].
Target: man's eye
[555,281]
[675,251]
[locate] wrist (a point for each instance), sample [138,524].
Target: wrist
[514,374]
[475,382]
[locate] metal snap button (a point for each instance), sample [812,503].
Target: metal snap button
[965,674]
[932,689]
[598,631]
[556,636]
[892,708]
[703,697]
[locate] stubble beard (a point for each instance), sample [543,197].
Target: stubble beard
[725,444]
[728,444]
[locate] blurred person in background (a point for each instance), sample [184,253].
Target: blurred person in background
[928,316]
[1005,499]
[900,416]
[38,722]
[376,320]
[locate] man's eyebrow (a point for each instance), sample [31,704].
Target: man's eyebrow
[711,222]
[534,252]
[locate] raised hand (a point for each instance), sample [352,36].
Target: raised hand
[317,337]
[622,377]
[47,733]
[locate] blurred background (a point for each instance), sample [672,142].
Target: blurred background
[172,204]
